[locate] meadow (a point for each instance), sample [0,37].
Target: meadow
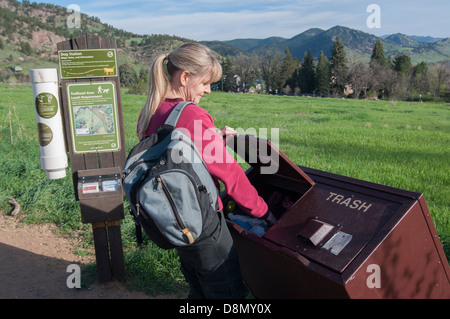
[399,144]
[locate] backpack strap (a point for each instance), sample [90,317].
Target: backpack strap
[137,225]
[176,112]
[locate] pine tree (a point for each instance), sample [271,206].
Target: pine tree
[323,75]
[227,74]
[402,68]
[25,48]
[307,74]
[402,64]
[288,67]
[420,78]
[378,55]
[293,81]
[270,64]
[338,65]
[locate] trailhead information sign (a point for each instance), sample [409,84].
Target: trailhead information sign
[93,117]
[87,63]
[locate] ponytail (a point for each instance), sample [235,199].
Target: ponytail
[157,86]
[195,58]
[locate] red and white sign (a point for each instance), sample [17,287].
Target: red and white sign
[90,188]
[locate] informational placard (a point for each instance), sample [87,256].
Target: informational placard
[87,63]
[46,105]
[93,117]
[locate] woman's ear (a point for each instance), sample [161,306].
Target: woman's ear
[184,77]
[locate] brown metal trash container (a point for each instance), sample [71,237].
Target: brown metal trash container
[340,238]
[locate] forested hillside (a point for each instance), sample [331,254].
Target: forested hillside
[335,62]
[29,33]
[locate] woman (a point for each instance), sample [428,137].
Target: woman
[210,265]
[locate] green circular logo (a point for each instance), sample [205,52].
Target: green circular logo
[46,105]
[45,134]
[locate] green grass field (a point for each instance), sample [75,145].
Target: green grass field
[399,144]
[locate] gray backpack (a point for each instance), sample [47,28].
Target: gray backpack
[171,193]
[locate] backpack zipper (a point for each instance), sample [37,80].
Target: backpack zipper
[132,167]
[177,216]
[144,176]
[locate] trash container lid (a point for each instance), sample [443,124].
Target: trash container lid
[334,222]
[264,156]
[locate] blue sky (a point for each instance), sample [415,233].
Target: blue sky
[232,19]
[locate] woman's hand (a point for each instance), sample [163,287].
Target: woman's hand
[225,131]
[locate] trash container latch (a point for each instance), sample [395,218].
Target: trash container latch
[315,231]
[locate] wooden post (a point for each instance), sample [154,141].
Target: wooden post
[102,257]
[104,210]
[116,251]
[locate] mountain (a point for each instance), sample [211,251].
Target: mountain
[251,44]
[426,39]
[359,44]
[403,40]
[29,33]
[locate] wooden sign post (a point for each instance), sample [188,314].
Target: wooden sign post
[93,122]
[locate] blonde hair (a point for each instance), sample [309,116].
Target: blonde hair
[194,58]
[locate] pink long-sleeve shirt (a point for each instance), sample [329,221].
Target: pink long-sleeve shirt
[221,165]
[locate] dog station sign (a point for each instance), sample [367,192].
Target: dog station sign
[87,63]
[93,117]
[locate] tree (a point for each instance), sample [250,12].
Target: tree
[293,81]
[246,67]
[26,49]
[359,77]
[338,66]
[128,76]
[140,87]
[380,71]
[288,67]
[323,75]
[420,80]
[381,79]
[227,74]
[144,73]
[307,73]
[402,67]
[378,55]
[402,64]
[441,77]
[271,71]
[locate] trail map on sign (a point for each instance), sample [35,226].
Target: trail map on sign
[94,119]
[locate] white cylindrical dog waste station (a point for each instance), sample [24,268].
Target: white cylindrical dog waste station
[49,122]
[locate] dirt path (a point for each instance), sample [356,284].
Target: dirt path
[33,264]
